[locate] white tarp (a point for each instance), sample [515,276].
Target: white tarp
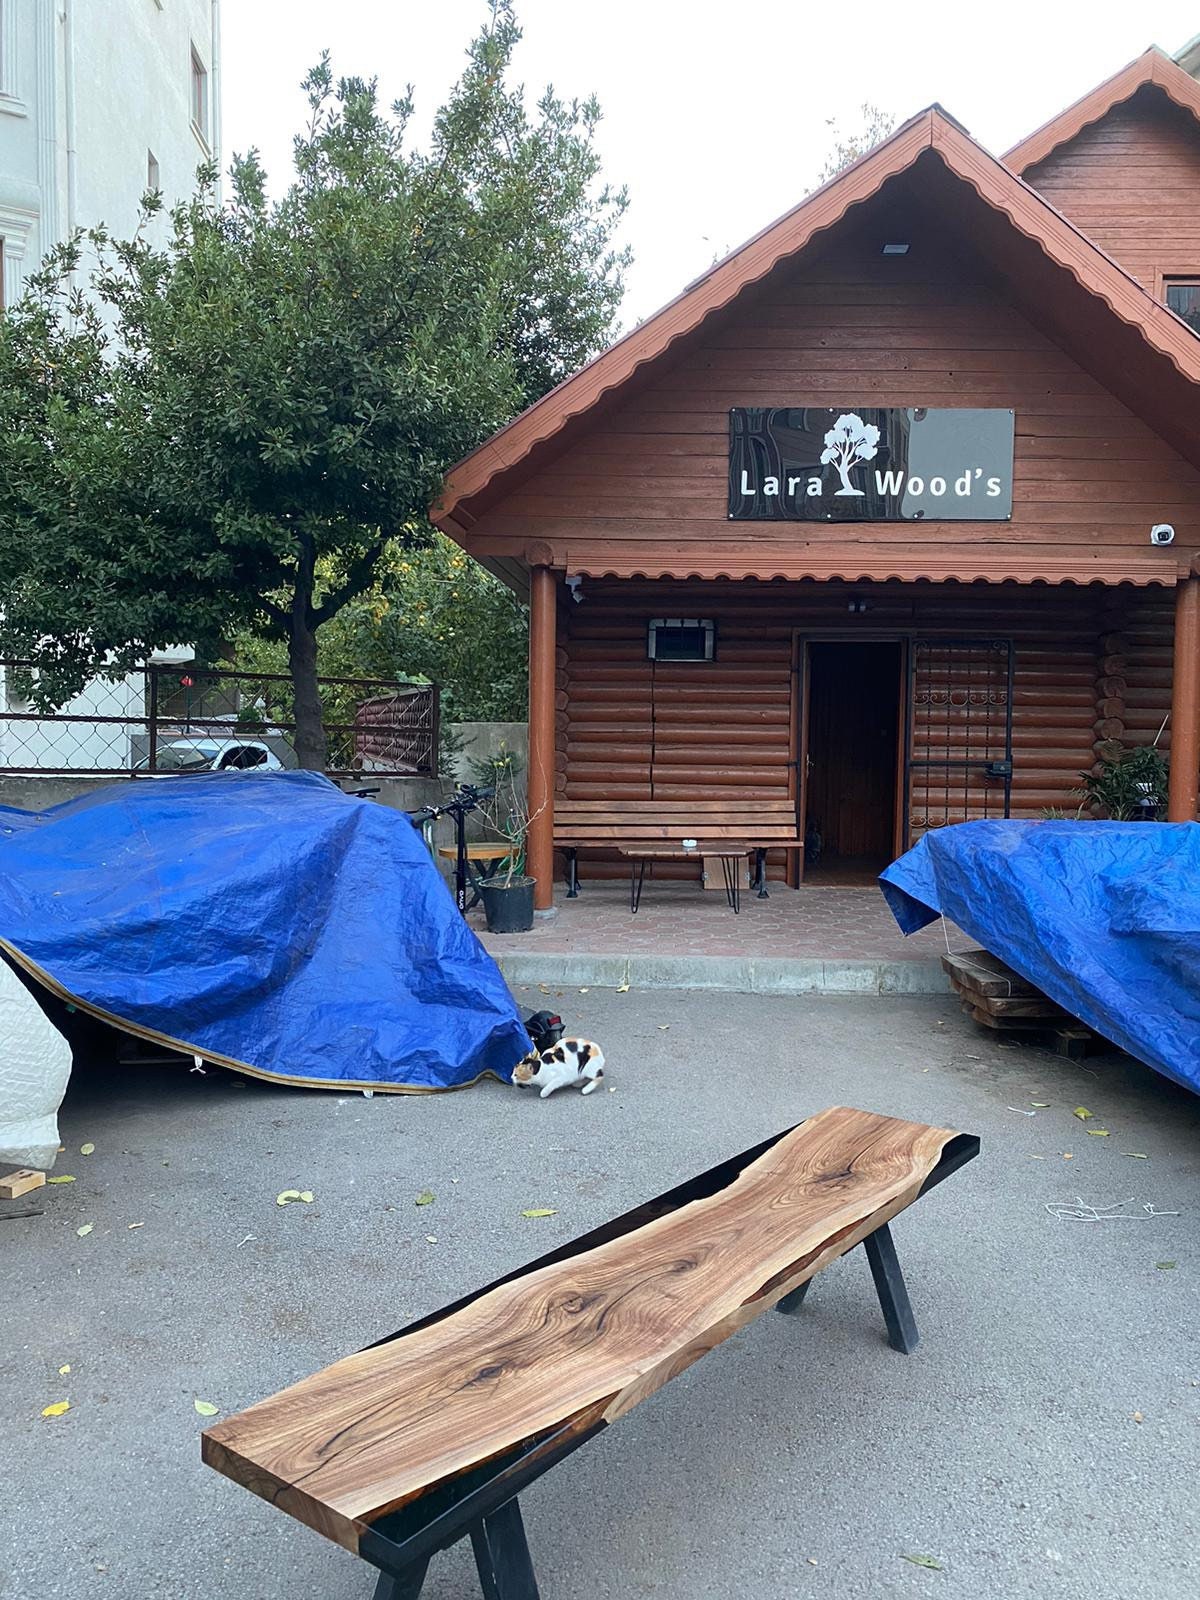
[35,1063]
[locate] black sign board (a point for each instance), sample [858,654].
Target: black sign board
[870,464]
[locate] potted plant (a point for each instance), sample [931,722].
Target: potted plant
[1130,787]
[508,894]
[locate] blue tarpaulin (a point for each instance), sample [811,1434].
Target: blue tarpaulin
[266,920]
[1104,917]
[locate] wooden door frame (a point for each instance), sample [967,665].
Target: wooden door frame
[802,638]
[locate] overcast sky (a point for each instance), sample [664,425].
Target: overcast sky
[715,111]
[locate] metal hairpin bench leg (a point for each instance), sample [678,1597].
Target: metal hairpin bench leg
[889,1286]
[572,874]
[502,1555]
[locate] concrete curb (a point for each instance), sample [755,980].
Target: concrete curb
[734,974]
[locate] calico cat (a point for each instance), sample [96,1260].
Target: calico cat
[565,1065]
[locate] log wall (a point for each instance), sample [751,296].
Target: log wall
[1091,670]
[1131,182]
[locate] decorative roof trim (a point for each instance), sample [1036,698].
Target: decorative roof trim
[1154,67]
[883,567]
[932,130]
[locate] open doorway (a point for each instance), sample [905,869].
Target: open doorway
[852,746]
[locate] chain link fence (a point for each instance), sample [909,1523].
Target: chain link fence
[163,719]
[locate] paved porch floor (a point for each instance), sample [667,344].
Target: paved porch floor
[809,939]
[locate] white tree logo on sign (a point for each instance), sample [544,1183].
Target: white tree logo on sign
[848,442]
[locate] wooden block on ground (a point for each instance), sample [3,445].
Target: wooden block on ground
[986,974]
[19,1183]
[1073,1042]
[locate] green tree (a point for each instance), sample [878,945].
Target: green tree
[231,430]
[433,614]
[849,145]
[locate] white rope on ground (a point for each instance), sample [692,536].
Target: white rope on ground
[1080,1211]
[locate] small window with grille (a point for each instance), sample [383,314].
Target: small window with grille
[681,639]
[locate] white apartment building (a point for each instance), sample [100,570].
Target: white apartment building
[99,100]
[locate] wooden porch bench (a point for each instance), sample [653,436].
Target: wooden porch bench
[616,824]
[430,1435]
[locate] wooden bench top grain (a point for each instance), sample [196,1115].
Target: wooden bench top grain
[580,1340]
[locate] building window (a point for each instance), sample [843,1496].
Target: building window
[152,171]
[199,96]
[1183,297]
[10,98]
[681,639]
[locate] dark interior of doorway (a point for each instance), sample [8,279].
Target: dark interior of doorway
[853,729]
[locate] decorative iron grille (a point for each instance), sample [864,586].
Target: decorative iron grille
[959,732]
[181,718]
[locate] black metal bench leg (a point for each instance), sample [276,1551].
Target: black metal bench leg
[502,1555]
[406,1588]
[791,1303]
[760,875]
[889,1285]
[572,874]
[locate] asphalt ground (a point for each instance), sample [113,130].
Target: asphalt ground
[1042,1441]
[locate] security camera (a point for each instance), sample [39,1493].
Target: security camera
[1162,533]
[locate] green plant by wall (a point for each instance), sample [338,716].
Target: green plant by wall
[1129,786]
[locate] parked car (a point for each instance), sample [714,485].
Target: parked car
[213,755]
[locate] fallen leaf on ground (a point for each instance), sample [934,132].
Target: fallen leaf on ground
[57,1409]
[1137,1416]
[1082,1113]
[1166,1266]
[307,1196]
[541,1211]
[1135,1155]
[85,1230]
[61,1177]
[663,1026]
[1067,1156]
[924,1561]
[622,988]
[133,1225]
[431,1238]
[1042,1105]
[583,991]
[205,1408]
[1098,1133]
[62,1371]
[290,1196]
[87,1149]
[425,1198]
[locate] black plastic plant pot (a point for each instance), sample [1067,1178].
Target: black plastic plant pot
[507,904]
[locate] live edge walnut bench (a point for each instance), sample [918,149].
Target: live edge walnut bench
[425,1437]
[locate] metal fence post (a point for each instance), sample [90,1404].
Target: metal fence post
[152,718]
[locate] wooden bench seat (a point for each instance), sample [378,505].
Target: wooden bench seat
[428,1436]
[615,824]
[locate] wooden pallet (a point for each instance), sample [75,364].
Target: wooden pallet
[996,997]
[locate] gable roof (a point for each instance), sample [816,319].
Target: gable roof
[930,137]
[1154,68]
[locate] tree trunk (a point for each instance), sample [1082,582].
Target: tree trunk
[302,659]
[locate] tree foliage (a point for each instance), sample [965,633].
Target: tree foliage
[231,430]
[434,614]
[849,145]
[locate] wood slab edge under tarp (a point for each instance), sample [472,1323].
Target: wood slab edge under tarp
[578,1341]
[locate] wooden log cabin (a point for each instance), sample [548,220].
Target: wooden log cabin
[894,512]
